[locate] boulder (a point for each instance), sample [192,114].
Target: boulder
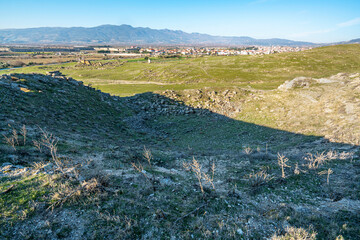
[299,82]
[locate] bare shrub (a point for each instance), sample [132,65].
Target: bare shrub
[66,166]
[196,168]
[318,159]
[315,160]
[16,63]
[91,185]
[49,142]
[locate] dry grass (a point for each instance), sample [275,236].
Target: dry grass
[13,138]
[140,168]
[293,233]
[260,178]
[23,133]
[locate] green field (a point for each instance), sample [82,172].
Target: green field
[259,71]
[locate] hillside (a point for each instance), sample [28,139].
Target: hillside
[78,163]
[128,35]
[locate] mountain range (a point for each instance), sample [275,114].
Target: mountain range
[126,34]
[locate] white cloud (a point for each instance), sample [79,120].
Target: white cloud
[352,22]
[338,26]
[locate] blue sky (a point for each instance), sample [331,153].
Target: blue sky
[316,21]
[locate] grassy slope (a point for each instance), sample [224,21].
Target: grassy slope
[261,72]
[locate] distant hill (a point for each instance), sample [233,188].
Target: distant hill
[357,40]
[126,34]
[353,41]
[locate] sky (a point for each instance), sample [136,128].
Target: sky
[316,21]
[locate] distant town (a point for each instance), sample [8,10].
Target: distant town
[154,51]
[221,51]
[19,56]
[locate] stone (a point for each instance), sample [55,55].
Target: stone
[296,82]
[6,164]
[166,181]
[240,231]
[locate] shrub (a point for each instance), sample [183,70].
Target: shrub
[296,234]
[259,178]
[16,63]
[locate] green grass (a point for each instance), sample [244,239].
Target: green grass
[18,203]
[206,134]
[260,72]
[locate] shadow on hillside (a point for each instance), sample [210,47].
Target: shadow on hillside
[96,120]
[203,131]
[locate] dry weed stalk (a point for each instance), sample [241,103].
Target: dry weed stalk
[195,167]
[23,133]
[258,149]
[49,141]
[139,167]
[12,140]
[4,97]
[37,145]
[147,155]
[282,160]
[328,172]
[297,170]
[15,136]
[247,150]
